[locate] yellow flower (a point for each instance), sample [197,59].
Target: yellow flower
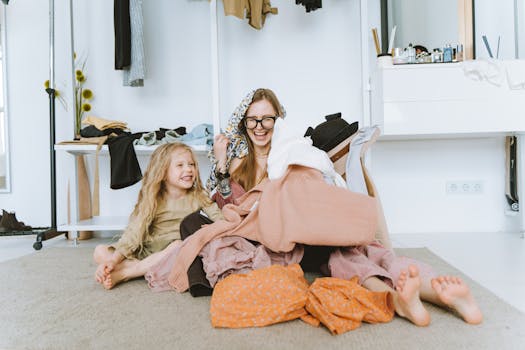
[87,94]
[58,95]
[81,94]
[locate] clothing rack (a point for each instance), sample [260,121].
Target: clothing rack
[214,33]
[52,231]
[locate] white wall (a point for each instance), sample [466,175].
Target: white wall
[412,177]
[311,60]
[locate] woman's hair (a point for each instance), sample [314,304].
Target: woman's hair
[153,188]
[246,173]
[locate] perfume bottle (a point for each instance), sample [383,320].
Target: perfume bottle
[447,53]
[459,53]
[437,56]
[411,54]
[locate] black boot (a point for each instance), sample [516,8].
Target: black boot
[10,223]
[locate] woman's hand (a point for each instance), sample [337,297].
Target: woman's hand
[220,145]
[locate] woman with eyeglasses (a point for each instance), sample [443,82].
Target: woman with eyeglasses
[239,163]
[239,157]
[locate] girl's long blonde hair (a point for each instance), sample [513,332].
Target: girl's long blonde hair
[246,173]
[153,189]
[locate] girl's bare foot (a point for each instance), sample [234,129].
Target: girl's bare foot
[114,278]
[406,301]
[453,292]
[101,272]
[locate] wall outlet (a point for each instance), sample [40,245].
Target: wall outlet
[464,187]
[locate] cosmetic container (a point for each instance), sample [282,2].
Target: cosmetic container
[459,53]
[400,56]
[384,60]
[447,53]
[437,56]
[411,54]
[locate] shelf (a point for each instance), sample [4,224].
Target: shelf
[444,136]
[97,223]
[436,65]
[139,149]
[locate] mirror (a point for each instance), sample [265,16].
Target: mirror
[430,23]
[4,141]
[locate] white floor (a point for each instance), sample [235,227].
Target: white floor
[495,260]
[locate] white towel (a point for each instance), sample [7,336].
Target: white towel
[288,148]
[489,70]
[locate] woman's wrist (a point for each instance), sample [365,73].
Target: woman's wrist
[223,185]
[221,167]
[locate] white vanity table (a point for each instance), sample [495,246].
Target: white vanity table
[422,101]
[439,100]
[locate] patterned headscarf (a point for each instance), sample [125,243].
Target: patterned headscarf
[238,146]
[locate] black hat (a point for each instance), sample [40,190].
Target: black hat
[332,132]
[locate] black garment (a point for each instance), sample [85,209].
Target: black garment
[122,28]
[315,257]
[125,169]
[181,130]
[332,132]
[199,284]
[310,5]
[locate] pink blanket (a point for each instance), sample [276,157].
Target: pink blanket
[296,208]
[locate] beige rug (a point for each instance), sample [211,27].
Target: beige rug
[48,300]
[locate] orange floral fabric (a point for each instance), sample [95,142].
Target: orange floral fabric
[281,293]
[260,298]
[341,305]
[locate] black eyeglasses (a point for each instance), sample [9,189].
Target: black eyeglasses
[266,122]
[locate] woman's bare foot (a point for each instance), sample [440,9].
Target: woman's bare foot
[453,292]
[406,301]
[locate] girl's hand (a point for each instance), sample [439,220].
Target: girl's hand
[220,145]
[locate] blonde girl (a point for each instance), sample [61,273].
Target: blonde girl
[171,190]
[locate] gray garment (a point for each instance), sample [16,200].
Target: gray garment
[134,74]
[202,134]
[147,139]
[355,179]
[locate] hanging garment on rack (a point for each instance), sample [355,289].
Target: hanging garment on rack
[255,10]
[122,29]
[134,74]
[310,5]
